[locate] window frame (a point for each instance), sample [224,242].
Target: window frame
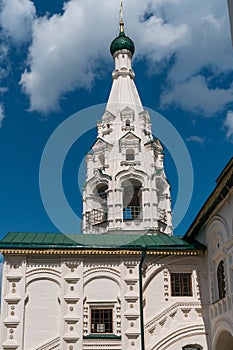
[130,155]
[184,288]
[221,280]
[98,321]
[192,346]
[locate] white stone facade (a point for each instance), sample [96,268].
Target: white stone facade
[216,233]
[46,302]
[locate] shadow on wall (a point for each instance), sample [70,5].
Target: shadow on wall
[225,341]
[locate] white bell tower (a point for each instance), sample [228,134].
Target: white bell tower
[126,189]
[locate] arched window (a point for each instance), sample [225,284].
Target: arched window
[132,200]
[221,280]
[225,341]
[101,189]
[98,214]
[130,154]
[127,122]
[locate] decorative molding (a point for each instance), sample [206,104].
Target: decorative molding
[98,252]
[50,345]
[170,311]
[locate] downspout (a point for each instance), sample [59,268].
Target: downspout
[141,300]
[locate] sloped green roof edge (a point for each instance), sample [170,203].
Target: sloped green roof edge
[160,241]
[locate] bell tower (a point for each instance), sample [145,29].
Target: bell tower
[126,189]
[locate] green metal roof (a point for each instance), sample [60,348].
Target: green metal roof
[160,241]
[122,42]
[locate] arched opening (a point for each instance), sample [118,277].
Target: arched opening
[101,189]
[225,341]
[132,200]
[42,313]
[221,280]
[98,215]
[130,154]
[127,122]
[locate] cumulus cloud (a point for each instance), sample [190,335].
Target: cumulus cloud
[66,53]
[4,71]
[196,96]
[228,125]
[190,40]
[197,139]
[16,18]
[202,58]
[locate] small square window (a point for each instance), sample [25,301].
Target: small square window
[101,320]
[181,284]
[130,154]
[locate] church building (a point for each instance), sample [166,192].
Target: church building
[126,282]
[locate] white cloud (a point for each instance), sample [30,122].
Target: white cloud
[16,19]
[228,125]
[197,139]
[69,49]
[195,95]
[65,53]
[206,46]
[2,115]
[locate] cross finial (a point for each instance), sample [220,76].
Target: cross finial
[121,18]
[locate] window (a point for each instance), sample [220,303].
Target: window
[101,321]
[181,284]
[101,191]
[221,280]
[129,154]
[192,347]
[127,122]
[132,200]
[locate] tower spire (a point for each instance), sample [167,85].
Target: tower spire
[121,18]
[126,188]
[122,41]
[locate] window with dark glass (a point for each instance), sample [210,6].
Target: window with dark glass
[101,321]
[132,200]
[221,280]
[181,284]
[130,154]
[192,347]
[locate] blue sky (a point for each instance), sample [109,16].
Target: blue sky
[55,61]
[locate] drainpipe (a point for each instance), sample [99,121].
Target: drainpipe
[141,300]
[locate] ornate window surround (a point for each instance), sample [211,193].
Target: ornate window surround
[181,284]
[116,322]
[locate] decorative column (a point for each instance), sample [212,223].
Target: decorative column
[146,206]
[72,306]
[131,322]
[13,301]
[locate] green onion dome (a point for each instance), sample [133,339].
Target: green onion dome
[122,42]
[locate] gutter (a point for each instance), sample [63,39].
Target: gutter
[141,300]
